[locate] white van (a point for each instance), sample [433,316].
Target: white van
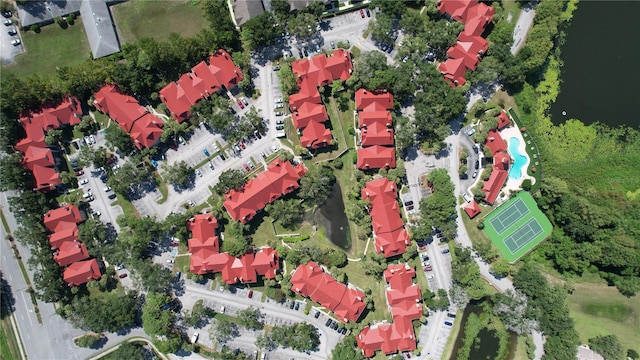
[194,338]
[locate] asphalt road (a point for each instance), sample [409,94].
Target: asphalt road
[7,50]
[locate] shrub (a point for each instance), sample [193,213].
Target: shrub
[526,184]
[338,164]
[35,28]
[294,239]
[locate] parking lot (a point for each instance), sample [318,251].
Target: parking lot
[7,49]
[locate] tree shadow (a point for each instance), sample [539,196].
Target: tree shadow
[7,299]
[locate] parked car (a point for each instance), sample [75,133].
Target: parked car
[279,121]
[93,139]
[250,294]
[215,147]
[84,181]
[240,104]
[451,315]
[362,13]
[244,101]
[122,276]
[12,31]
[333,45]
[107,188]
[276,68]
[445,251]
[475,174]
[242,145]
[448,323]
[317,314]
[297,306]
[198,172]
[7,14]
[246,167]
[328,322]
[250,163]
[79,172]
[7,22]
[115,167]
[279,113]
[278,101]
[211,165]
[111,160]
[477,165]
[96,213]
[264,156]
[206,152]
[154,163]
[279,127]
[428,268]
[15,42]
[368,12]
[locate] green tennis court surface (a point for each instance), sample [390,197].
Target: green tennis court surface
[517,226]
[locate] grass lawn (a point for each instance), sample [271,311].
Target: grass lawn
[127,206]
[356,276]
[512,235]
[9,346]
[601,310]
[51,48]
[182,263]
[137,19]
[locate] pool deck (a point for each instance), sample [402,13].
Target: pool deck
[506,134]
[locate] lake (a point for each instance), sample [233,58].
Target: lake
[601,69]
[331,216]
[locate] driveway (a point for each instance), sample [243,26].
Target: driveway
[523,25]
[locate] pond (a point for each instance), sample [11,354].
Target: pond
[488,341]
[332,217]
[600,73]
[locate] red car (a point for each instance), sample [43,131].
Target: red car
[79,172]
[246,167]
[241,144]
[122,276]
[250,294]
[240,104]
[362,13]
[428,268]
[111,160]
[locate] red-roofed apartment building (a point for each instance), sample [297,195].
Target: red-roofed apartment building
[70,252]
[376,157]
[501,162]
[55,219]
[306,106]
[310,280]
[404,301]
[466,53]
[217,73]
[391,238]
[144,128]
[37,156]
[81,272]
[278,179]
[503,120]
[376,130]
[204,247]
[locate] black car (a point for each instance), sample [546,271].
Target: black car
[368,12]
[451,315]
[477,164]
[112,196]
[335,325]
[291,305]
[222,157]
[328,322]
[297,307]
[7,14]
[317,314]
[344,331]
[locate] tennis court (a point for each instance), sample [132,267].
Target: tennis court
[517,226]
[510,216]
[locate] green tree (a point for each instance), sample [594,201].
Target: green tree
[608,346]
[118,138]
[88,341]
[53,137]
[178,174]
[155,320]
[500,268]
[198,314]
[151,277]
[260,31]
[317,184]
[14,176]
[223,331]
[288,212]
[251,318]
[303,25]
[103,314]
[230,179]
[129,350]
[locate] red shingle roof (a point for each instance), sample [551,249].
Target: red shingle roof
[472,209]
[376,157]
[144,128]
[81,272]
[63,234]
[457,9]
[68,213]
[404,300]
[494,184]
[46,178]
[373,100]
[70,252]
[278,179]
[479,10]
[501,160]
[391,238]
[309,112]
[453,71]
[503,120]
[377,133]
[366,118]
[310,280]
[470,49]
[41,156]
[315,135]
[494,142]
[205,78]
[204,244]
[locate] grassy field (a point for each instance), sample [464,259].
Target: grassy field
[137,19]
[601,310]
[51,48]
[8,343]
[498,236]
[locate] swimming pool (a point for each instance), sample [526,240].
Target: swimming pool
[519,159]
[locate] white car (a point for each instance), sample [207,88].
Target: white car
[84,181]
[115,167]
[107,189]
[215,147]
[96,213]
[278,101]
[92,138]
[194,338]
[198,172]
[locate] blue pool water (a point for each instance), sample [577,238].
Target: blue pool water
[519,159]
